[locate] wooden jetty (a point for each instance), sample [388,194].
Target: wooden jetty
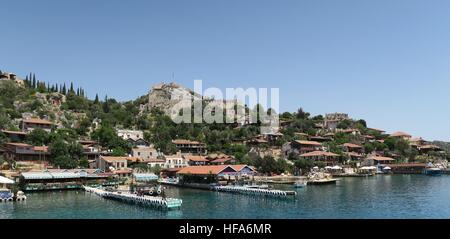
[158,202]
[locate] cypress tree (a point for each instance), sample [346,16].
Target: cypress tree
[96,99]
[34,81]
[64,90]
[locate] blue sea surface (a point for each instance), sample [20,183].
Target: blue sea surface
[381,196]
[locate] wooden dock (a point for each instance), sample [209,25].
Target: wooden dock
[255,191]
[158,202]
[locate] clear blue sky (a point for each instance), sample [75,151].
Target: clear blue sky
[385,61]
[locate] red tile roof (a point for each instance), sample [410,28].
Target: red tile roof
[19,144]
[306,142]
[221,160]
[239,167]
[400,134]
[196,158]
[380,158]
[319,153]
[185,141]
[350,145]
[204,170]
[37,121]
[112,159]
[14,132]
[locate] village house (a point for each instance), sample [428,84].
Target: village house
[402,135]
[257,142]
[349,147]
[26,152]
[205,174]
[320,139]
[15,136]
[116,165]
[134,137]
[220,159]
[331,121]
[327,158]
[145,153]
[301,147]
[379,160]
[426,149]
[196,160]
[349,131]
[272,137]
[175,161]
[156,162]
[380,131]
[188,146]
[28,125]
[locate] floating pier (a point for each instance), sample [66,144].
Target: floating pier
[255,191]
[158,202]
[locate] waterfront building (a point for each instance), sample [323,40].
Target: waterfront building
[205,174]
[188,146]
[56,179]
[408,168]
[29,124]
[379,160]
[244,170]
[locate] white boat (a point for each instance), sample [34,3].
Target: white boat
[300,184]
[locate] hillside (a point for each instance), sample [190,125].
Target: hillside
[77,117]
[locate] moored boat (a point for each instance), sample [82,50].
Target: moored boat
[433,171]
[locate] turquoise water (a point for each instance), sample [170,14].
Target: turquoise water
[382,196]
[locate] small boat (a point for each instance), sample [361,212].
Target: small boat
[300,184]
[432,171]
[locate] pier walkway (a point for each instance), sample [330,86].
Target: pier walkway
[255,191]
[158,202]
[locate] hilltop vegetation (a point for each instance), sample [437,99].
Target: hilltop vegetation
[98,119]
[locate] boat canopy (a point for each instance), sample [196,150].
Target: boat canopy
[4,180]
[386,168]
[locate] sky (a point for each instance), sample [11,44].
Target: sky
[384,61]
